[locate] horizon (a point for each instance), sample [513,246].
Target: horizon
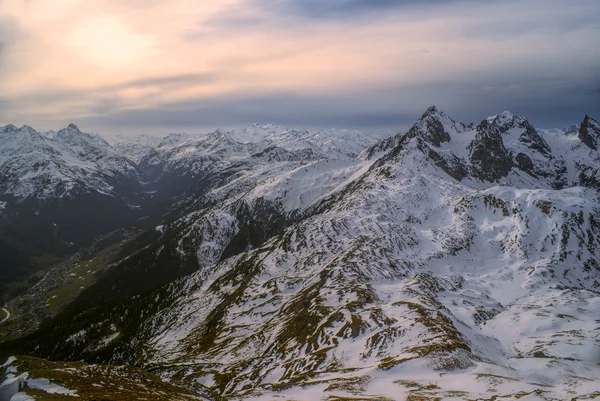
[390,131]
[130,67]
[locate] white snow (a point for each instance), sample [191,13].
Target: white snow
[107,340]
[48,387]
[21,397]
[134,147]
[60,165]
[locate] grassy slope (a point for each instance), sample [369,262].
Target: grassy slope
[99,382]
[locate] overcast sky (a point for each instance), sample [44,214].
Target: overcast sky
[131,66]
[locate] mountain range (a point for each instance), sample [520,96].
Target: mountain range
[452,261]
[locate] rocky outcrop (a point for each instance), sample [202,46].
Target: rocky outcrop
[431,128]
[490,160]
[533,140]
[589,132]
[525,163]
[435,133]
[381,147]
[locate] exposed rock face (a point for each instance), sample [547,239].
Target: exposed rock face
[524,163]
[533,140]
[490,160]
[433,129]
[589,132]
[454,166]
[380,147]
[278,154]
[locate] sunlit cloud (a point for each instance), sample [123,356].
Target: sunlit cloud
[117,65]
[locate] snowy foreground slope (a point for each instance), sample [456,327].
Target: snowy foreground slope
[451,262]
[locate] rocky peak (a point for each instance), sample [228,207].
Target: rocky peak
[490,160]
[589,132]
[23,135]
[507,120]
[69,134]
[28,130]
[9,128]
[73,136]
[506,117]
[70,131]
[430,110]
[73,127]
[431,127]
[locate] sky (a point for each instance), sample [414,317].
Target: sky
[135,66]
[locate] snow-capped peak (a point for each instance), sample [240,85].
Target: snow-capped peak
[73,136]
[8,128]
[73,127]
[507,120]
[28,129]
[504,117]
[431,110]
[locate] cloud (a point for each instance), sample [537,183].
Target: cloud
[537,18]
[98,100]
[546,101]
[165,81]
[9,32]
[133,66]
[344,8]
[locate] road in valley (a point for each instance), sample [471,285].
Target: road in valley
[7,315]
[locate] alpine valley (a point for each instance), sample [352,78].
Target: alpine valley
[451,262]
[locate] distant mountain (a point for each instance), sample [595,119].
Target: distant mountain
[61,165]
[453,261]
[134,147]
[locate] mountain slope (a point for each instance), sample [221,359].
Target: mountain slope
[451,261]
[58,381]
[382,279]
